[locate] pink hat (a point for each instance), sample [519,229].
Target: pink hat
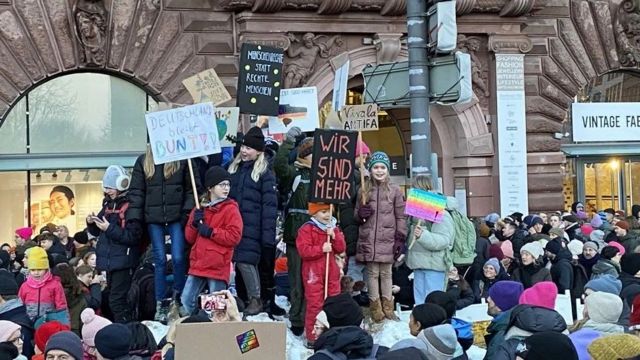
[92,323]
[7,328]
[362,148]
[25,233]
[542,294]
[586,229]
[618,246]
[507,248]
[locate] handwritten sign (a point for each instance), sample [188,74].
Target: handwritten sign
[359,117]
[298,107]
[226,119]
[425,205]
[182,133]
[332,166]
[260,79]
[207,87]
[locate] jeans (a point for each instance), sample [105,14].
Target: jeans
[157,233]
[425,282]
[119,283]
[250,278]
[356,270]
[194,287]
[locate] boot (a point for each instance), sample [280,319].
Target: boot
[376,310]
[254,307]
[161,312]
[387,308]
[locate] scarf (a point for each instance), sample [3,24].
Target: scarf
[322,226]
[36,284]
[528,271]
[215,202]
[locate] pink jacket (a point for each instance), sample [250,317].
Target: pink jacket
[40,297]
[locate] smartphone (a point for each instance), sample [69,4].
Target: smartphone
[210,303]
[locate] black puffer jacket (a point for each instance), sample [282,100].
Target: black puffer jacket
[348,341]
[562,271]
[159,200]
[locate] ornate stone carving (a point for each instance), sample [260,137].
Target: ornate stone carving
[510,44]
[471,45]
[274,40]
[388,47]
[329,7]
[627,33]
[302,57]
[91,27]
[517,7]
[155,3]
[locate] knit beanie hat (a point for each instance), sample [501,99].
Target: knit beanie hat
[379,157]
[8,284]
[116,177]
[581,340]
[46,331]
[596,221]
[554,247]
[634,318]
[7,328]
[495,263]
[549,345]
[113,341]
[586,229]
[342,310]
[591,245]
[542,294]
[619,246]
[575,247]
[214,176]
[484,230]
[92,323]
[618,346]
[362,148]
[305,148]
[322,318]
[532,220]
[81,237]
[605,283]
[570,218]
[533,248]
[496,252]
[491,219]
[37,259]
[623,225]
[412,353]
[557,232]
[603,307]
[441,341]
[505,294]
[630,263]
[597,236]
[315,207]
[507,248]
[254,138]
[24,232]
[429,315]
[67,342]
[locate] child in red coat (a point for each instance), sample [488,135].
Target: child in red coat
[313,248]
[213,231]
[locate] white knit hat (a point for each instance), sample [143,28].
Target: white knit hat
[322,318]
[533,248]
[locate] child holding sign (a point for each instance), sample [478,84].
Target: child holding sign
[382,234]
[313,246]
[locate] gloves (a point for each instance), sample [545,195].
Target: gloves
[205,231]
[399,245]
[198,216]
[293,134]
[365,212]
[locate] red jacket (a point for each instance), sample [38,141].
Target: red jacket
[309,244]
[210,257]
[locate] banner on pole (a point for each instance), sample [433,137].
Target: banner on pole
[333,166]
[260,79]
[425,205]
[182,133]
[207,87]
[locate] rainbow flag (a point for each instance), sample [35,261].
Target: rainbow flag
[425,205]
[247,341]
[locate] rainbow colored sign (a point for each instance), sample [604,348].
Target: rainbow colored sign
[425,205]
[247,341]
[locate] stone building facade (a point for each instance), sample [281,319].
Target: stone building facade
[158,43]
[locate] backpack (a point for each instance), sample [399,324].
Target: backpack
[464,245]
[141,297]
[121,213]
[342,356]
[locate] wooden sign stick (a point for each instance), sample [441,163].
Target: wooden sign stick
[193,184]
[362,183]
[413,236]
[326,265]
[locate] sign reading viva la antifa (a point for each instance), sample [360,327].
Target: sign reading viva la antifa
[360,117]
[260,79]
[333,166]
[605,121]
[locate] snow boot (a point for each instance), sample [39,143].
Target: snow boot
[387,308]
[376,310]
[254,307]
[162,310]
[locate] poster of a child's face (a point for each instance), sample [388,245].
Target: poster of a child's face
[62,201]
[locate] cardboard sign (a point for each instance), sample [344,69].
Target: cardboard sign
[359,117]
[226,119]
[207,87]
[425,205]
[232,340]
[182,133]
[298,107]
[333,166]
[260,79]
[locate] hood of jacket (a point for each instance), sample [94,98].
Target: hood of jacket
[564,254]
[604,328]
[528,319]
[349,340]
[452,203]
[604,265]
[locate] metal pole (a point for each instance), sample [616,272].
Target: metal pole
[419,87]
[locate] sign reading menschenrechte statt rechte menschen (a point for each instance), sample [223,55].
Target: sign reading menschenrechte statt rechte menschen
[260,79]
[182,133]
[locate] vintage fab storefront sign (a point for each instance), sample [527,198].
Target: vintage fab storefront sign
[605,121]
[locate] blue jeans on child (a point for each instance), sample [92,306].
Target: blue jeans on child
[157,233]
[194,287]
[425,282]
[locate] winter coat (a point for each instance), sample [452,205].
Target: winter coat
[630,287]
[258,203]
[537,274]
[461,291]
[377,234]
[92,295]
[400,277]
[296,213]
[495,333]
[482,255]
[348,340]
[630,242]
[487,284]
[518,241]
[431,251]
[562,271]
[159,200]
[118,247]
[57,254]
[605,266]
[43,296]
[15,311]
[347,217]
[420,342]
[573,232]
[211,257]
[76,303]
[588,264]
[309,244]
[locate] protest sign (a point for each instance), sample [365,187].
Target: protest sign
[332,166]
[260,79]
[425,205]
[232,340]
[207,87]
[359,117]
[182,133]
[226,119]
[298,107]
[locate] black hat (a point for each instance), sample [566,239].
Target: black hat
[113,341]
[5,260]
[553,247]
[630,263]
[215,176]
[445,300]
[570,218]
[342,310]
[547,345]
[68,342]
[429,315]
[254,139]
[8,284]
[81,237]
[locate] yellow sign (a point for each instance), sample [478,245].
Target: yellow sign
[207,87]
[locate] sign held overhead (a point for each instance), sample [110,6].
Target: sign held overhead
[260,79]
[333,166]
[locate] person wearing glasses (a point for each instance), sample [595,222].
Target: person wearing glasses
[11,332]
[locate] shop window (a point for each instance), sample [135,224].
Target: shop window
[13,131]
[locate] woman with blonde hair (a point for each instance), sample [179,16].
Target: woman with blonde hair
[162,195]
[253,187]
